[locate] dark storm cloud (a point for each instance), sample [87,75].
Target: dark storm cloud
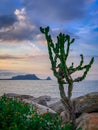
[10,30]
[17,28]
[7,20]
[37,13]
[52,10]
[18,33]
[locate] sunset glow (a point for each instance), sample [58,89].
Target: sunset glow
[23,48]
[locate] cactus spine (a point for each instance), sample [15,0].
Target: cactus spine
[58,56]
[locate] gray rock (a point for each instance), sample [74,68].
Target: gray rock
[58,107]
[84,104]
[12,95]
[42,100]
[87,103]
[40,108]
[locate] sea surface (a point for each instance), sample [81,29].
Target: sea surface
[38,88]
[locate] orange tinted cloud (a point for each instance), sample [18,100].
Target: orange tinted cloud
[28,64]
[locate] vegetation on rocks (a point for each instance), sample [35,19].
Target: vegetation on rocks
[17,115]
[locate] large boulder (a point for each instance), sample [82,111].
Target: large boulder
[57,106]
[42,100]
[88,121]
[87,103]
[39,108]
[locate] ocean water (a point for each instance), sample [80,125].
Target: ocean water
[38,88]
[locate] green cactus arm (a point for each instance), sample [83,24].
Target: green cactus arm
[68,47]
[53,61]
[51,50]
[61,41]
[89,65]
[72,69]
[86,67]
[69,42]
[81,62]
[80,67]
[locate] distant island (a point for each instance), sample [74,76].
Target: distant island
[26,77]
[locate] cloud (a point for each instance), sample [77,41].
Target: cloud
[7,20]
[6,73]
[57,11]
[7,56]
[21,30]
[24,24]
[37,13]
[25,56]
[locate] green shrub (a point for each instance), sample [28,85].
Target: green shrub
[13,114]
[17,115]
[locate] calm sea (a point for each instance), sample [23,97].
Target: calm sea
[44,87]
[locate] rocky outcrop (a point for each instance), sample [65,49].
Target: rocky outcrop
[48,78]
[39,103]
[39,108]
[14,95]
[88,121]
[25,77]
[57,106]
[87,103]
[42,100]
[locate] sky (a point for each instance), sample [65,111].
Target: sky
[23,48]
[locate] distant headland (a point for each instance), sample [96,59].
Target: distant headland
[26,77]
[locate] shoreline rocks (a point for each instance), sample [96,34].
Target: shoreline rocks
[86,108]
[87,103]
[39,103]
[83,104]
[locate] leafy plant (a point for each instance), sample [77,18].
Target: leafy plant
[58,56]
[17,115]
[13,114]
